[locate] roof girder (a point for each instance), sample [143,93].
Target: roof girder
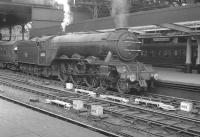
[176,27]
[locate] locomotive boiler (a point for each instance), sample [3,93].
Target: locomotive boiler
[122,44]
[94,59]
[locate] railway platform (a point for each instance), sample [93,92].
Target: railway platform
[173,75]
[18,121]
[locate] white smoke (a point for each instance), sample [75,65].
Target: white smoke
[119,8]
[67,16]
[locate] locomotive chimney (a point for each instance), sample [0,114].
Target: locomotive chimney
[119,10]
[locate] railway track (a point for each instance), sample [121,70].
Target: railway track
[146,95]
[60,117]
[185,87]
[175,101]
[127,116]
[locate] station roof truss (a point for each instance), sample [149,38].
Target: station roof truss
[188,28]
[179,29]
[166,22]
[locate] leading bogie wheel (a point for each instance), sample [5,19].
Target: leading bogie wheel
[122,86]
[104,84]
[91,81]
[76,79]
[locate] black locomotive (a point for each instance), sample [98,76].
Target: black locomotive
[94,59]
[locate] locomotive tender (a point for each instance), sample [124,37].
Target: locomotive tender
[105,59]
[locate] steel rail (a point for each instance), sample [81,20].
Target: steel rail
[107,133]
[131,107]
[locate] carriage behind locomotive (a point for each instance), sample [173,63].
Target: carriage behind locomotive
[93,59]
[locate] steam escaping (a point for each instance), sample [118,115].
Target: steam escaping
[67,16]
[119,8]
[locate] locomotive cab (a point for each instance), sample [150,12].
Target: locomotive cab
[8,54]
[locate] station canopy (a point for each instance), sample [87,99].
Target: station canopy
[14,14]
[163,22]
[187,28]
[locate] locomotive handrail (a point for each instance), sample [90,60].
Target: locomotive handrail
[132,50]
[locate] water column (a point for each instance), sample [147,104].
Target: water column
[188,63]
[198,55]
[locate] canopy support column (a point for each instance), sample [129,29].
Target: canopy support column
[198,55]
[23,31]
[188,63]
[10,33]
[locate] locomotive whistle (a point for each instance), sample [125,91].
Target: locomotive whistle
[132,50]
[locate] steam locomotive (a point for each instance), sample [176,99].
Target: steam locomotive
[98,59]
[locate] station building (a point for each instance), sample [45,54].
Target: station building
[41,17]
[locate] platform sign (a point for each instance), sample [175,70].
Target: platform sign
[96,110]
[78,104]
[186,106]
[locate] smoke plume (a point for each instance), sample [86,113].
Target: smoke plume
[67,16]
[119,8]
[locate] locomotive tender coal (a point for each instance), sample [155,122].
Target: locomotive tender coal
[94,59]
